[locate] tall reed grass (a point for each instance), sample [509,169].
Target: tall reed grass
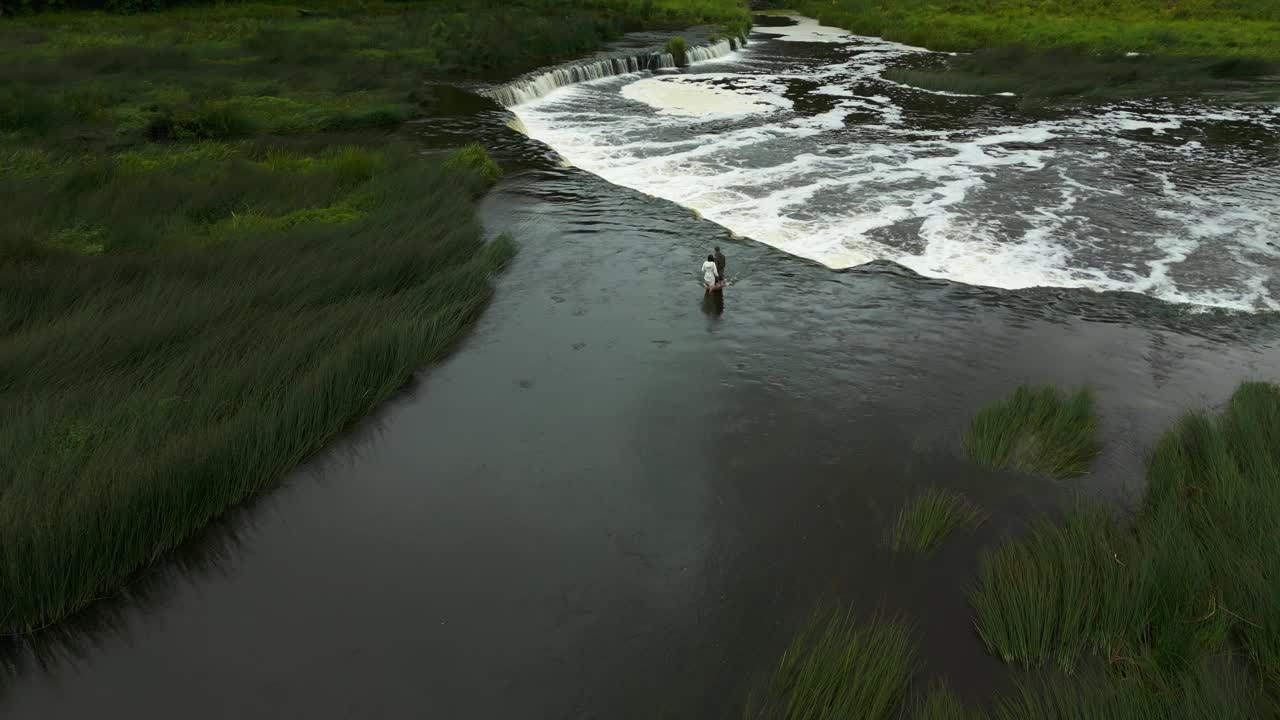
[148,385]
[929,517]
[1037,429]
[1193,577]
[940,703]
[839,669]
[678,48]
[1213,689]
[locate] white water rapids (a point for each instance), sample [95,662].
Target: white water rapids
[797,141]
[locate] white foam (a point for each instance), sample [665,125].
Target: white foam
[684,95]
[806,30]
[1085,201]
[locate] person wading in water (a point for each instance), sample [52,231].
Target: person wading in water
[720,261]
[709,273]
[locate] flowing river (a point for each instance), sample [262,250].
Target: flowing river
[619,498]
[797,141]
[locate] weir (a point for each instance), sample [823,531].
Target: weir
[541,82]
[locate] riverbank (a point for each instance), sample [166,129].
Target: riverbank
[218,255]
[1248,28]
[1042,76]
[1053,50]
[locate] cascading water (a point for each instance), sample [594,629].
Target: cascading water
[801,143]
[543,82]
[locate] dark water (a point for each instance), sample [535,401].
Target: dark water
[619,499]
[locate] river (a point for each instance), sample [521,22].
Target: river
[800,143]
[619,498]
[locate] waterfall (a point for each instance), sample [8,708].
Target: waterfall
[541,82]
[710,52]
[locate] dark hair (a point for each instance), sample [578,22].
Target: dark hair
[712,258]
[717,248]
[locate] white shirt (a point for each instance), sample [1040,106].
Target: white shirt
[709,272]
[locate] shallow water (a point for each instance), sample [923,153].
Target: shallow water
[797,141]
[620,498]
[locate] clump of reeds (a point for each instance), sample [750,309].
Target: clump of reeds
[678,48]
[1059,592]
[1037,429]
[836,668]
[929,517]
[1195,571]
[474,159]
[940,703]
[1211,689]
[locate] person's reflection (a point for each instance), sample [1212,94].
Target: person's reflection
[713,303]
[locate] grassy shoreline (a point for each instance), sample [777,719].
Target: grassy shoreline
[1249,28]
[1048,50]
[219,254]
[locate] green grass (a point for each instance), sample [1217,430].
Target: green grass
[1037,429]
[1060,592]
[839,669]
[475,159]
[678,48]
[940,703]
[1212,690]
[1072,73]
[192,375]
[238,69]
[1193,578]
[930,517]
[1193,27]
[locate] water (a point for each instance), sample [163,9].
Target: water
[797,141]
[619,498]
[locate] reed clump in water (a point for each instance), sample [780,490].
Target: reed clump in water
[1193,575]
[474,159]
[1212,690]
[1037,429]
[837,667]
[928,518]
[940,703]
[678,48]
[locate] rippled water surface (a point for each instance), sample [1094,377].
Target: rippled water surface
[798,142]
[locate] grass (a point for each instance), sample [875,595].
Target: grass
[475,159]
[192,374]
[1058,593]
[1247,28]
[1212,690]
[94,79]
[940,703]
[1190,580]
[930,517]
[1169,614]
[1073,73]
[839,669]
[215,255]
[1037,429]
[677,48]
